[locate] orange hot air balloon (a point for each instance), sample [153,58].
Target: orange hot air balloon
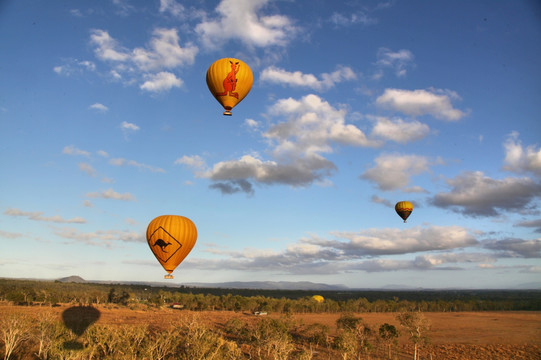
[171,238]
[229,80]
[403,209]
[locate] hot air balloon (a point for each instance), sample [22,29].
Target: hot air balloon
[171,238]
[318,298]
[229,80]
[403,209]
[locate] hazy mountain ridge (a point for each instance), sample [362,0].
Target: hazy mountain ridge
[271,285]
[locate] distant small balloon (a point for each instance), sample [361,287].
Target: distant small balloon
[318,298]
[403,209]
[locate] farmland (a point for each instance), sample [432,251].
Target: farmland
[122,325]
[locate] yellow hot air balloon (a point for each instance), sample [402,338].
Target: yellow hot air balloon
[403,209]
[318,298]
[229,80]
[171,238]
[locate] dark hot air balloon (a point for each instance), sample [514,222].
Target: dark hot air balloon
[403,209]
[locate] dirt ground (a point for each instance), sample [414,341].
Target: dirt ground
[462,335]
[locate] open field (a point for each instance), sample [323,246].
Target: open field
[464,335]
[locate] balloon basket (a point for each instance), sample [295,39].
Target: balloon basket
[228,113]
[168,276]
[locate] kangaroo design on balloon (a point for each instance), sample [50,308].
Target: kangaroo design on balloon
[162,244]
[230,81]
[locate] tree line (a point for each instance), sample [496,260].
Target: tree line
[279,301]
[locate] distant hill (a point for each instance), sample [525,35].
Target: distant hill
[270,285]
[72,279]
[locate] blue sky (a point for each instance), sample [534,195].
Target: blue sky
[107,122]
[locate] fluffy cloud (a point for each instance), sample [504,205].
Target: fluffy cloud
[436,103]
[393,172]
[298,79]
[374,242]
[348,251]
[162,52]
[398,61]
[107,48]
[519,160]
[399,130]
[38,216]
[474,194]
[311,128]
[99,107]
[243,20]
[162,81]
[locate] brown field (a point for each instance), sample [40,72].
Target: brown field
[463,335]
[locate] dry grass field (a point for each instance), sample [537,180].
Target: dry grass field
[462,335]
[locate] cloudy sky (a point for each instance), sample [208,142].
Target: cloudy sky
[107,122]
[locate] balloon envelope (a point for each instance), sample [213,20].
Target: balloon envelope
[318,298]
[171,238]
[403,209]
[229,80]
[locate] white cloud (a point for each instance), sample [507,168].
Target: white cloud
[311,129]
[88,169]
[107,48]
[195,162]
[394,172]
[519,160]
[128,126]
[399,130]
[172,7]
[111,194]
[38,216]
[74,67]
[101,237]
[474,194]
[125,162]
[388,241]
[251,124]
[72,150]
[345,253]
[398,61]
[160,82]
[312,126]
[359,17]
[99,107]
[421,102]
[164,52]
[243,20]
[298,79]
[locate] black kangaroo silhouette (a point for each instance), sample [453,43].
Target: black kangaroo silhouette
[162,244]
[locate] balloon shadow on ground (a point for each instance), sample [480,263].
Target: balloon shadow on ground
[78,319]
